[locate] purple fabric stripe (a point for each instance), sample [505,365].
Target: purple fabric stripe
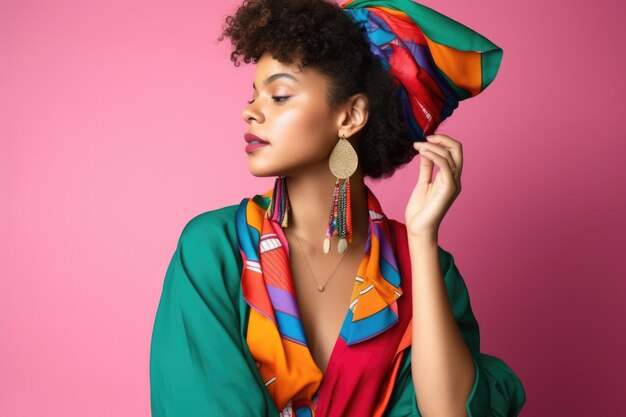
[282,300]
[385,249]
[423,58]
[422,55]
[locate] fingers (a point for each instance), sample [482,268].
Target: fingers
[443,151]
[453,150]
[426,170]
[442,163]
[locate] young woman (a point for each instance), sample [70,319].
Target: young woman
[279,305]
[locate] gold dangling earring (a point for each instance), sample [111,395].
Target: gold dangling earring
[279,209]
[343,163]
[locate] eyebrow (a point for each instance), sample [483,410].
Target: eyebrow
[276,76]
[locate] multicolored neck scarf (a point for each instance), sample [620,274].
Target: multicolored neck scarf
[375,331]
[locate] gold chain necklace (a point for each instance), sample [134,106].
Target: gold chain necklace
[320,287]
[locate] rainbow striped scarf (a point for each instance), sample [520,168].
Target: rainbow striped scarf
[436,60]
[360,362]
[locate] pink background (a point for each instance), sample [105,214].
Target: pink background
[121,120]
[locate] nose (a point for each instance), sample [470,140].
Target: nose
[250,113]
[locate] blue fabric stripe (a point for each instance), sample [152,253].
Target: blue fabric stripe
[248,236]
[389,272]
[368,327]
[290,327]
[304,412]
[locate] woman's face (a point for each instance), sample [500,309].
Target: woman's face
[290,111]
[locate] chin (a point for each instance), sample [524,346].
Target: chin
[258,170]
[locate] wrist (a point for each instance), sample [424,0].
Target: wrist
[423,241]
[425,235]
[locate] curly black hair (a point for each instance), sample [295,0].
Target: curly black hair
[320,34]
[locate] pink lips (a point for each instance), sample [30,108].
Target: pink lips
[249,137]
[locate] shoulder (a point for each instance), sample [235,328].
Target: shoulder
[208,251]
[210,238]
[212,220]
[211,227]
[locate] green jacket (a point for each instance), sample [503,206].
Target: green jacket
[200,364]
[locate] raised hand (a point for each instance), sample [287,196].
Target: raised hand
[431,199]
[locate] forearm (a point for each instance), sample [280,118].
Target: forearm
[441,364]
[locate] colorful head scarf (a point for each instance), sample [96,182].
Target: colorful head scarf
[275,334]
[436,61]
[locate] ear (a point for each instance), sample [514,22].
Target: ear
[353,115]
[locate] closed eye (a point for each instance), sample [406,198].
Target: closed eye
[278,99]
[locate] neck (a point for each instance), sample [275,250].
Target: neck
[310,198]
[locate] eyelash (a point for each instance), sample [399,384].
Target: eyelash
[274,97]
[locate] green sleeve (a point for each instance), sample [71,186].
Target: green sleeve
[199,365]
[497,391]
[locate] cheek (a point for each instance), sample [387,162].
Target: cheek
[305,130]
